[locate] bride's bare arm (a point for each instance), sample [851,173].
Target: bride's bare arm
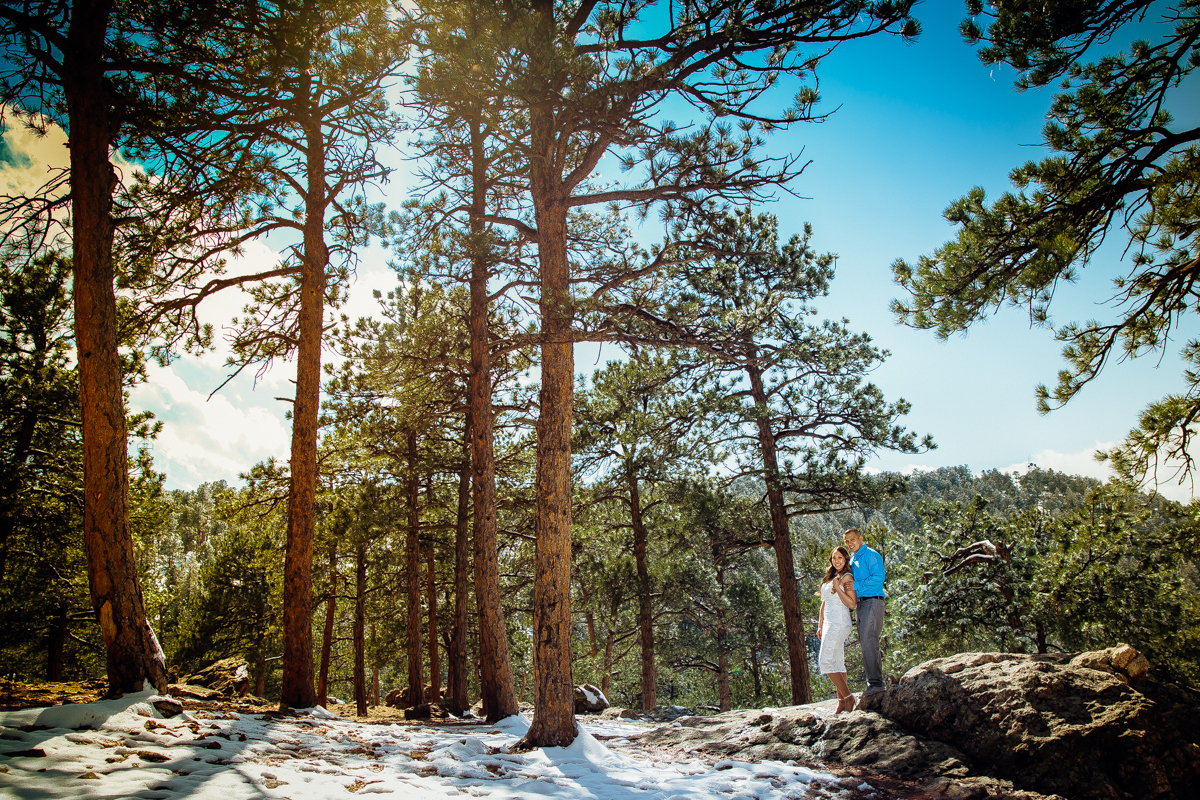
[844,587]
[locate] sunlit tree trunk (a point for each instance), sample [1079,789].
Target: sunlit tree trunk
[645,605]
[495,665]
[132,650]
[554,711]
[789,590]
[297,689]
[456,681]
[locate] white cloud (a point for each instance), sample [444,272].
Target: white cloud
[1081,463]
[1085,463]
[34,156]
[208,439]
[909,469]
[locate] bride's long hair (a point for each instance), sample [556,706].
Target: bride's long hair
[832,572]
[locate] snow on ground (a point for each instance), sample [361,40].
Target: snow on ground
[125,749]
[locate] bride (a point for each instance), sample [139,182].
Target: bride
[837,598]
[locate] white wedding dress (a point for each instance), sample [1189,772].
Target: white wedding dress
[834,632]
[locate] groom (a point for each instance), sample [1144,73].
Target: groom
[867,567]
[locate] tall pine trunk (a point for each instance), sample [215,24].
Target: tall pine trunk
[374,672]
[416,683]
[495,665]
[553,722]
[645,606]
[435,667]
[132,651]
[360,629]
[456,666]
[724,697]
[789,590]
[55,643]
[327,634]
[297,688]
[606,678]
[554,694]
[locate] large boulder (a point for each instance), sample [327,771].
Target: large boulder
[799,733]
[229,676]
[1081,726]
[862,745]
[398,698]
[188,691]
[589,699]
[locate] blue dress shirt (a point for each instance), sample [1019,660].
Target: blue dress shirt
[869,575]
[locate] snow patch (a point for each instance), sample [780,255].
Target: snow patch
[132,752]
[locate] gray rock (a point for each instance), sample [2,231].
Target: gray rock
[229,676]
[1071,725]
[167,706]
[189,691]
[668,713]
[797,732]
[589,699]
[422,711]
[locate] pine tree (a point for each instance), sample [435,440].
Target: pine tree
[645,420]
[588,83]
[805,417]
[1122,166]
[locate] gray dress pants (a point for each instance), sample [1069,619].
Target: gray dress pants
[870,624]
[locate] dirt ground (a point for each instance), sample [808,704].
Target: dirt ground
[15,695]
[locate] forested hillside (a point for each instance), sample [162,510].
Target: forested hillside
[1021,562]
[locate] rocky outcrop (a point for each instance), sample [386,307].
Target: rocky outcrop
[398,698]
[656,714]
[1081,726]
[187,691]
[863,744]
[229,676]
[985,725]
[589,699]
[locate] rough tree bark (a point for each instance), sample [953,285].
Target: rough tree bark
[645,606]
[553,722]
[327,634]
[607,673]
[132,650]
[456,666]
[297,688]
[416,683]
[360,629]
[495,665]
[554,710]
[435,667]
[724,701]
[789,590]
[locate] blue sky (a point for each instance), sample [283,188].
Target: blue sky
[916,126]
